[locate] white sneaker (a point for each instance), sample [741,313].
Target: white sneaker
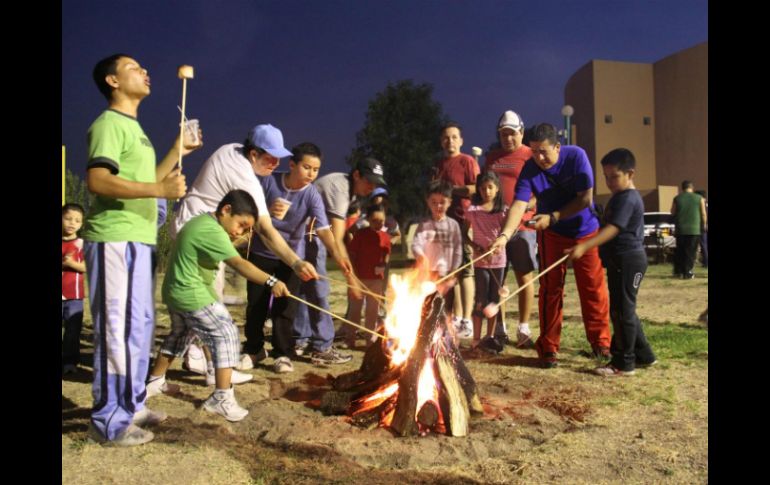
[457,322]
[131,436]
[195,360]
[149,417]
[283,365]
[236,378]
[160,386]
[524,337]
[246,362]
[466,329]
[224,403]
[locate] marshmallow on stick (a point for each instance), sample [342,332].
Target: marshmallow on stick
[185,72]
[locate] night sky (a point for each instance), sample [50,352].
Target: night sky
[310,68]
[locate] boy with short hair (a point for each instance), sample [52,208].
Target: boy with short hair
[188,291]
[626,261]
[292,199]
[369,252]
[72,269]
[437,243]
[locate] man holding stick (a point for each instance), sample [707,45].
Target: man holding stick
[562,179]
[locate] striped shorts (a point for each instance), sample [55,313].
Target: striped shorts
[214,325]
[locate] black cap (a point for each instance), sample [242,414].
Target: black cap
[371,169]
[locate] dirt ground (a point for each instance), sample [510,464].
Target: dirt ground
[563,425]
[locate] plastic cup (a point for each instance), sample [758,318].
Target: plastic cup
[191,132]
[279,208]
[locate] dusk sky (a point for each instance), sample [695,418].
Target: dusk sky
[310,68]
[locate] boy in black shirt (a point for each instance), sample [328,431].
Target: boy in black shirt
[626,263]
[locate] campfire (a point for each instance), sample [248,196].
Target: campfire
[415,381]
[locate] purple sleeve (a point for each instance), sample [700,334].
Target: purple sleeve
[524,184]
[317,209]
[584,174]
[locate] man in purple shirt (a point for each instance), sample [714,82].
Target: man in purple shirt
[562,179]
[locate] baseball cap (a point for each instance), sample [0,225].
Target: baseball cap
[371,169]
[270,139]
[510,119]
[379,191]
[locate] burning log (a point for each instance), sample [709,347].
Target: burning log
[404,423]
[416,381]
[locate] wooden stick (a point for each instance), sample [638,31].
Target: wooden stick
[181,123]
[381,297]
[465,266]
[337,316]
[557,263]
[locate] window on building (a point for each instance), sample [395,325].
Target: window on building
[608,119]
[647,120]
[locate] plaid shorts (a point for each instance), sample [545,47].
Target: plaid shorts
[214,325]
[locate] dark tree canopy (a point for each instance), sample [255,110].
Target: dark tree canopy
[402,130]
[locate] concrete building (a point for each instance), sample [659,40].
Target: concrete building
[658,111]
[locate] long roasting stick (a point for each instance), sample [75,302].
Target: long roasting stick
[464,266]
[337,316]
[375,295]
[184,73]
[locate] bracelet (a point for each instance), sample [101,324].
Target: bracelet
[554,220]
[271,281]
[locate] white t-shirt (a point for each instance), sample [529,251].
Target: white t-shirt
[225,170]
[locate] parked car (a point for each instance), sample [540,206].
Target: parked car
[659,237]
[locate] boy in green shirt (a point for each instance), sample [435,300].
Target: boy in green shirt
[188,291]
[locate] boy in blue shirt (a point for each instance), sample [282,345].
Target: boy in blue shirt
[291,199]
[626,262]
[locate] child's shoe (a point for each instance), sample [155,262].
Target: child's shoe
[223,402]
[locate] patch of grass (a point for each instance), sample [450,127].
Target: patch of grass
[677,341]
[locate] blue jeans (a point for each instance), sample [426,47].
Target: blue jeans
[310,325]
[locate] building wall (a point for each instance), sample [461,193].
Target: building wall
[624,91]
[672,93]
[681,104]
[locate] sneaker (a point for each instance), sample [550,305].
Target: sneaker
[688,276]
[548,360]
[503,340]
[642,365]
[224,403]
[68,369]
[248,360]
[160,386]
[466,329]
[299,349]
[489,345]
[283,365]
[149,417]
[195,360]
[331,356]
[235,378]
[524,340]
[131,436]
[611,371]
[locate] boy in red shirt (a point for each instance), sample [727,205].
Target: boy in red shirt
[369,252]
[72,269]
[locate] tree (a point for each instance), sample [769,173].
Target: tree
[402,129]
[76,190]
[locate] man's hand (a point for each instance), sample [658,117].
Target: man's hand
[576,252]
[173,186]
[345,265]
[541,222]
[498,244]
[304,270]
[280,290]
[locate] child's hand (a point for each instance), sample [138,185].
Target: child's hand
[446,286]
[67,259]
[280,290]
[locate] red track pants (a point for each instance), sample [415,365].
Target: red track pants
[591,285]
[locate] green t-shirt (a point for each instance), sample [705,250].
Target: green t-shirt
[687,217]
[200,246]
[117,141]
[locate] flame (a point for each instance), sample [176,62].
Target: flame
[409,292]
[426,385]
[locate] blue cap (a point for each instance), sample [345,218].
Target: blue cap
[379,191]
[270,139]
